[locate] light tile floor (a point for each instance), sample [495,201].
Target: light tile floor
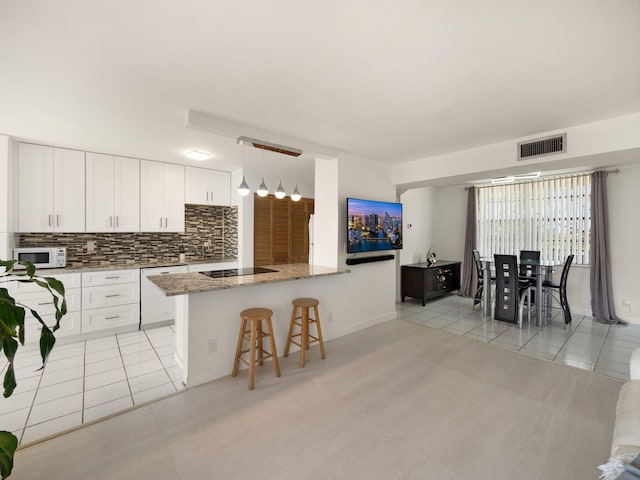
[585,344]
[87,380]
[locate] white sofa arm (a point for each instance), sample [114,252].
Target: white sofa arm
[634,365]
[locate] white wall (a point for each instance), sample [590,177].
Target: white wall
[417,234]
[624,228]
[326,228]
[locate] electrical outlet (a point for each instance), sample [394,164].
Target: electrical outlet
[91,246]
[213,345]
[207,243]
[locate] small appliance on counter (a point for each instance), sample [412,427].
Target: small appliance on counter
[41,257]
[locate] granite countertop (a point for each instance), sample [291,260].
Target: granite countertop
[184,283]
[99,267]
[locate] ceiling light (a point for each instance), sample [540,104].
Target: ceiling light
[513,178]
[295,195]
[262,191]
[196,155]
[501,180]
[280,193]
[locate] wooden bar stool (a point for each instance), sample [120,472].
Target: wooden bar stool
[304,304]
[255,336]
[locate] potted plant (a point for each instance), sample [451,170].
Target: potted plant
[12,316]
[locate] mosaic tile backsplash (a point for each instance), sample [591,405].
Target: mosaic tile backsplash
[219,225]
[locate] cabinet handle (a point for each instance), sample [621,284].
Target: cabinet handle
[46,303]
[165,222]
[49,219]
[111,221]
[117,221]
[164,273]
[57,220]
[112,277]
[112,318]
[160,222]
[114,295]
[207,196]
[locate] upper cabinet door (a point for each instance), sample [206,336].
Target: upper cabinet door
[161,197]
[68,190]
[126,194]
[207,187]
[99,192]
[174,197]
[220,188]
[151,196]
[35,188]
[50,189]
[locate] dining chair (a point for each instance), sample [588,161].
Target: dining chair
[477,298]
[550,288]
[527,271]
[511,292]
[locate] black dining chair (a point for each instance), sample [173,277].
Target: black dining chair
[550,288]
[511,292]
[477,298]
[527,270]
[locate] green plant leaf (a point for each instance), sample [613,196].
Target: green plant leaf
[9,383]
[47,341]
[8,446]
[31,269]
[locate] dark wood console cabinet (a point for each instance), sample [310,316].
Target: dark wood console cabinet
[424,281]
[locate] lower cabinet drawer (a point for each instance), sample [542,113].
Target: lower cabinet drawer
[69,325]
[110,295]
[42,301]
[110,317]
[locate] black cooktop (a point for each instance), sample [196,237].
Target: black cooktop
[237,272]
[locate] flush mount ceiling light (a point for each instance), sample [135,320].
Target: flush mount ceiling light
[513,178]
[197,155]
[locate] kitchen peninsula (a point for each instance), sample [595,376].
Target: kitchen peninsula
[208,309]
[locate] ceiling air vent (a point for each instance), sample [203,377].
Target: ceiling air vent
[542,146]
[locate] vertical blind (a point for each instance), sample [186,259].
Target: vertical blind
[551,215]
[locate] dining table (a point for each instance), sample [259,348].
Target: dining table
[543,270]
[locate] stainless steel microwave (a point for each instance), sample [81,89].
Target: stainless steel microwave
[41,257]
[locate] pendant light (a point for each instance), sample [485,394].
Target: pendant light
[243,188]
[262,191]
[295,195]
[280,193]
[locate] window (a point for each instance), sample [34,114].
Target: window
[551,215]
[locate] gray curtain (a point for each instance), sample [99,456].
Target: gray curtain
[601,296]
[469,279]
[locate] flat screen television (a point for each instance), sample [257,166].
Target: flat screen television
[373,226]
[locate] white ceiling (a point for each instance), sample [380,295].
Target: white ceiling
[389,80]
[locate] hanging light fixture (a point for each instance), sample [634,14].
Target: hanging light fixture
[243,188]
[280,193]
[262,191]
[295,195]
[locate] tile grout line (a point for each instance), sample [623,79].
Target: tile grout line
[160,359]
[601,348]
[126,375]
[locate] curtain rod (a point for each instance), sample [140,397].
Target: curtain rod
[614,171]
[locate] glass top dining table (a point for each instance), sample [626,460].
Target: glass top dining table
[543,270]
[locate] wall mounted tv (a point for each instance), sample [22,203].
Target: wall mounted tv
[373,226]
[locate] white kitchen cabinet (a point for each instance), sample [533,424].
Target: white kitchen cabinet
[110,299]
[41,301]
[113,193]
[207,187]
[51,185]
[155,305]
[161,197]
